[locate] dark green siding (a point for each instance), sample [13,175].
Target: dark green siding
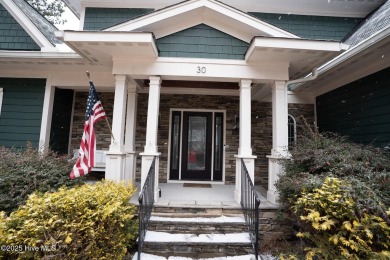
[360,110]
[202,41]
[21,113]
[97,19]
[60,124]
[312,27]
[12,35]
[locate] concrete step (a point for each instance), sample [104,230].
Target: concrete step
[199,211]
[198,225]
[197,246]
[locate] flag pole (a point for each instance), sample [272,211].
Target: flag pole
[108,124]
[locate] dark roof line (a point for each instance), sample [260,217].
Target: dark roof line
[43,25]
[374,22]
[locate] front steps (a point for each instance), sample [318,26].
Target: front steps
[197,232]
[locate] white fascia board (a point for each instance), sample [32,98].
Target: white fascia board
[201,69]
[28,26]
[1,99]
[242,17]
[157,16]
[101,36]
[38,55]
[232,15]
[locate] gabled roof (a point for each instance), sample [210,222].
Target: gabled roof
[189,13]
[41,30]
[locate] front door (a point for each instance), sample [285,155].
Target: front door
[196,151]
[196,146]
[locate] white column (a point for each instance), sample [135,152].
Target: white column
[279,137]
[151,149]
[245,146]
[116,156]
[131,122]
[47,113]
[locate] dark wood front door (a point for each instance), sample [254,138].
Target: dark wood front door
[197,146]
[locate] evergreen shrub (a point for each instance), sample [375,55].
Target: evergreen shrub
[365,170]
[92,221]
[23,171]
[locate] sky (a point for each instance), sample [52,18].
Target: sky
[72,21]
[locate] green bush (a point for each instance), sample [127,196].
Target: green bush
[317,156]
[85,222]
[24,171]
[329,217]
[320,155]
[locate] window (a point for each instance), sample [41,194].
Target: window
[292,133]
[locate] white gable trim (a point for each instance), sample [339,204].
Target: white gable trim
[28,26]
[210,12]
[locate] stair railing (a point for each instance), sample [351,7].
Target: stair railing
[146,202]
[250,203]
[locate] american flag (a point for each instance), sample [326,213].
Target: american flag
[93,114]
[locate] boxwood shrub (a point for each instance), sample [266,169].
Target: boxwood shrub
[92,221]
[23,171]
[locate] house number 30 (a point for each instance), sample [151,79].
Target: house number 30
[200,70]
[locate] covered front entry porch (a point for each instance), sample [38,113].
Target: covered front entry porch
[262,75]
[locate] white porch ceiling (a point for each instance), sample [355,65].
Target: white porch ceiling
[301,55]
[103,47]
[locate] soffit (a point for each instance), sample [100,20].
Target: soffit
[104,47]
[301,55]
[357,63]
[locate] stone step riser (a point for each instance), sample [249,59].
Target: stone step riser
[195,212]
[197,228]
[196,250]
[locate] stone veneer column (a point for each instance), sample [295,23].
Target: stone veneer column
[245,148]
[131,122]
[151,149]
[116,156]
[279,137]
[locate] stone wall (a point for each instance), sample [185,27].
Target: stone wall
[261,127]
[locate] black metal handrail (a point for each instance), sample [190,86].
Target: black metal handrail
[250,203]
[146,201]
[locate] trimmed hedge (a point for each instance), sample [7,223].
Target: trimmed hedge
[85,222]
[23,172]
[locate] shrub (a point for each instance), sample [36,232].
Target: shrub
[364,170]
[86,222]
[320,155]
[24,171]
[332,225]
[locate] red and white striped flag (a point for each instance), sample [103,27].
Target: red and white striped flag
[93,114]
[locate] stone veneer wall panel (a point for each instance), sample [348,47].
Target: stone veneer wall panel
[261,127]
[102,133]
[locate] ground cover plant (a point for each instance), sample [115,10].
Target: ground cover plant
[92,221]
[23,171]
[337,195]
